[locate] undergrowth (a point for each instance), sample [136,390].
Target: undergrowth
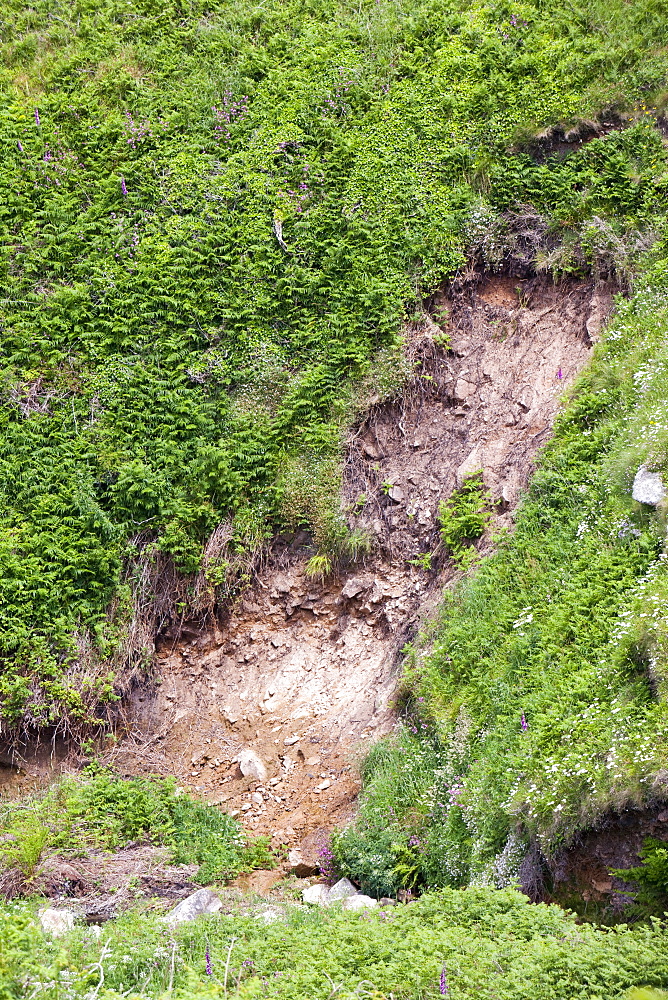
[105,812]
[535,703]
[481,943]
[214,219]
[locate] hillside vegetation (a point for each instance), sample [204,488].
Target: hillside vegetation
[470,945]
[536,703]
[215,218]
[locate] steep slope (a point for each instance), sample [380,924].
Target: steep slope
[302,670]
[216,220]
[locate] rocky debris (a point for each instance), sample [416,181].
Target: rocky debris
[317,894]
[252,766]
[56,922]
[359,902]
[196,905]
[648,487]
[387,901]
[312,665]
[299,865]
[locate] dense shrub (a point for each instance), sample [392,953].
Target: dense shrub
[479,943]
[104,811]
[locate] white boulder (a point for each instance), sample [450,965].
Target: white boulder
[648,487]
[252,766]
[196,905]
[359,902]
[56,922]
[317,894]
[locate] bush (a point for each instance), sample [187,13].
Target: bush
[106,812]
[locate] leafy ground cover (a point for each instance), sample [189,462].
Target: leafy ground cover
[479,943]
[103,811]
[214,219]
[536,703]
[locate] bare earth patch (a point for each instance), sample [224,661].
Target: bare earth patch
[303,672]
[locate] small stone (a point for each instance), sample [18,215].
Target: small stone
[196,905]
[396,493]
[312,761]
[56,922]
[387,901]
[246,806]
[359,902]
[342,890]
[252,766]
[317,895]
[256,798]
[290,741]
[648,487]
[323,785]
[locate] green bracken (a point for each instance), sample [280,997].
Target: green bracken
[214,219]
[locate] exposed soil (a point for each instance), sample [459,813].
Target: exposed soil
[581,875]
[304,672]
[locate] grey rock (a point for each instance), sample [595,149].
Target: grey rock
[342,890]
[196,905]
[252,766]
[317,894]
[396,493]
[387,901]
[56,922]
[648,487]
[359,902]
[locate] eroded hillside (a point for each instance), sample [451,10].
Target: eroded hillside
[302,672]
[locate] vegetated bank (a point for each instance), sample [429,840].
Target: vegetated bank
[535,706]
[214,222]
[471,944]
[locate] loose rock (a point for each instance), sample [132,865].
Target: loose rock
[196,905]
[359,902]
[299,865]
[252,766]
[648,487]
[56,922]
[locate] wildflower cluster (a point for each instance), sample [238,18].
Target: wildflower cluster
[231,110]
